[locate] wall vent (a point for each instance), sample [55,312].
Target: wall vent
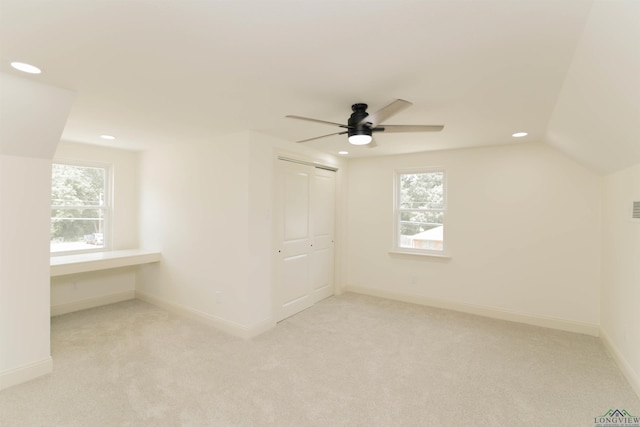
[635,211]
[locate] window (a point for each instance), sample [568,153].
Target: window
[79,208]
[420,207]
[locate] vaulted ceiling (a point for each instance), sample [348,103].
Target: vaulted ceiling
[154,72]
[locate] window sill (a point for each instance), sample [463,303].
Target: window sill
[437,256]
[82,263]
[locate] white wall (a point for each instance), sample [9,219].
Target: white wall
[194,209]
[258,295]
[523,228]
[207,207]
[25,185]
[33,116]
[80,291]
[620,296]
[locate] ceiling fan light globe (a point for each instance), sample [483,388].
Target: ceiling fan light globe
[360,139]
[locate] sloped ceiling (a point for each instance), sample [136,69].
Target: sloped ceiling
[155,72]
[597,116]
[32,117]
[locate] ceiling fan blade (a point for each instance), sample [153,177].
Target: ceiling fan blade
[374,119]
[323,136]
[317,121]
[408,128]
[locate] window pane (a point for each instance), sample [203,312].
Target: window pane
[421,230]
[79,207]
[77,185]
[422,190]
[76,229]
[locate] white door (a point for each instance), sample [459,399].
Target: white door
[304,212]
[322,219]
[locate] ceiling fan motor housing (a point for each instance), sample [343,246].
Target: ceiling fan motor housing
[355,125]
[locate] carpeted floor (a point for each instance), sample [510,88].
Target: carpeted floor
[351,360]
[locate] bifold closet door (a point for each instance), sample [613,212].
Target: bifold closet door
[304,212]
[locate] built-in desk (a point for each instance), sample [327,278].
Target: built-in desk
[82,263]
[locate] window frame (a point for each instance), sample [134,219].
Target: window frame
[107,207]
[397,211]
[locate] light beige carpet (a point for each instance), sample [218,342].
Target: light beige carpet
[348,361]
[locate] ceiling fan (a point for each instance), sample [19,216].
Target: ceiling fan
[361,125]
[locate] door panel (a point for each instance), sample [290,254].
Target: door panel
[295,278]
[324,203]
[322,269]
[296,205]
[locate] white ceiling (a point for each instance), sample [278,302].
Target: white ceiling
[153,72]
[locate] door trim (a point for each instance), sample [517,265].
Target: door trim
[313,164]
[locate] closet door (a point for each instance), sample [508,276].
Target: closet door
[304,212]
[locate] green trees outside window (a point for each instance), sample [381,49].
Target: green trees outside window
[420,210]
[79,207]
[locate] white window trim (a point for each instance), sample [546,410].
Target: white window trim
[395,247]
[108,208]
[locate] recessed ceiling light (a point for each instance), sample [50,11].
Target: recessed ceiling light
[519,134]
[343,152]
[27,68]
[109,137]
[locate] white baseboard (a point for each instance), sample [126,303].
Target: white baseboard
[495,313]
[227,326]
[25,373]
[631,375]
[70,307]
